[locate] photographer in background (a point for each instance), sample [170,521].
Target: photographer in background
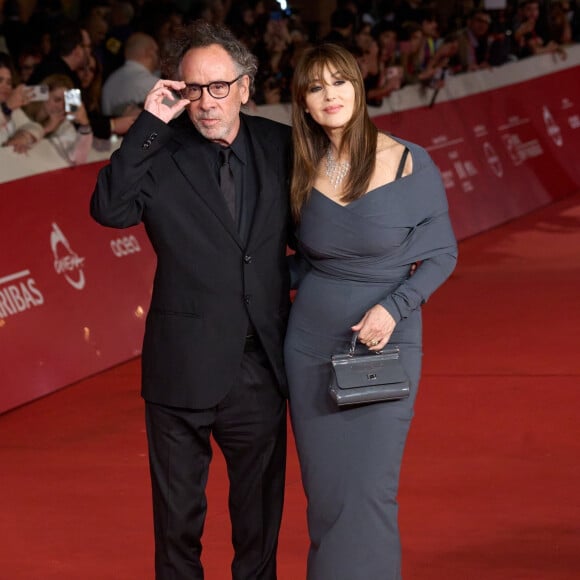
[69,132]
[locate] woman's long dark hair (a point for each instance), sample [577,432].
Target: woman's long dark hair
[359,139]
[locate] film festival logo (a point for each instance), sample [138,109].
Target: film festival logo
[552,127]
[66,261]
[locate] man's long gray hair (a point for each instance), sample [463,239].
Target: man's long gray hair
[200,34]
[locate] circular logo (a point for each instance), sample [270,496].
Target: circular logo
[66,261]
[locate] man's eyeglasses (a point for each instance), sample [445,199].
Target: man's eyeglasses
[217,89]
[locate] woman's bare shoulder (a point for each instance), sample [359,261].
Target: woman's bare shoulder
[389,154]
[387,145]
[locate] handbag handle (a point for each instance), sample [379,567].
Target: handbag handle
[353,344]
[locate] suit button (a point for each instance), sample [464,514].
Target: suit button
[247,298]
[248,259]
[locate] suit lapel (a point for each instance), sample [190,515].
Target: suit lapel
[268,186]
[191,163]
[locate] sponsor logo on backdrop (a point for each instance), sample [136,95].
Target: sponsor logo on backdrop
[66,261]
[493,159]
[125,246]
[573,117]
[18,293]
[516,146]
[552,127]
[519,150]
[462,170]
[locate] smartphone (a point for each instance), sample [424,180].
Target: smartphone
[72,101]
[38,93]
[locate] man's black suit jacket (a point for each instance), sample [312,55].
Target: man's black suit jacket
[207,280]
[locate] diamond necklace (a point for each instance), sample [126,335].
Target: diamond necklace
[335,170]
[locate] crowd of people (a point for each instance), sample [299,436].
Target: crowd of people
[113,51]
[409,43]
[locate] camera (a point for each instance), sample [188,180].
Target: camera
[72,102]
[38,93]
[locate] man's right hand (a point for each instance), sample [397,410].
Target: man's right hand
[163,102]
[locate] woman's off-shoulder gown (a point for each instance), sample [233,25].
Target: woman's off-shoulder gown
[360,255]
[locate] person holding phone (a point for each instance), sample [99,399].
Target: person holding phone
[12,117]
[69,132]
[71,53]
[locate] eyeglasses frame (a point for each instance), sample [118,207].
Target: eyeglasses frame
[207,88]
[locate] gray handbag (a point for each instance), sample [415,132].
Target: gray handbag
[368,378]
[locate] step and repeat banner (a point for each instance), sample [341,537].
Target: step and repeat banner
[74,295]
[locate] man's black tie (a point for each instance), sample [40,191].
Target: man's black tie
[227,184]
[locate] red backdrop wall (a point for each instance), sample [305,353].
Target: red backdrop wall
[74,295]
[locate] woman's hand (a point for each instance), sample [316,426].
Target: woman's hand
[19,96]
[22,141]
[161,100]
[375,327]
[81,116]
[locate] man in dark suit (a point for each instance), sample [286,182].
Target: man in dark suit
[70,53]
[212,353]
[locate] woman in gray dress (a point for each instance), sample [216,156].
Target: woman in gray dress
[368,207]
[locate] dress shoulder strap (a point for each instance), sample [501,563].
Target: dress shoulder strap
[402,163]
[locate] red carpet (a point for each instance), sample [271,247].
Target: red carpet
[491,478]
